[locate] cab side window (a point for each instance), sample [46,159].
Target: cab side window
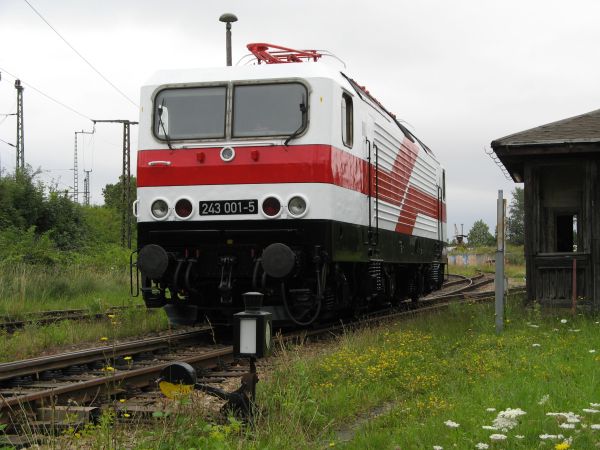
[347,120]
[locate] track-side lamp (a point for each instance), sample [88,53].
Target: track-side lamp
[252,334]
[252,328]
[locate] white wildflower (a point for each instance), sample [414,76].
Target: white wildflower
[595,405]
[544,399]
[570,417]
[591,411]
[575,331]
[555,329]
[482,446]
[498,437]
[508,419]
[519,436]
[534,326]
[595,426]
[592,351]
[568,426]
[451,424]
[494,409]
[563,320]
[544,437]
[488,427]
[536,345]
[438,447]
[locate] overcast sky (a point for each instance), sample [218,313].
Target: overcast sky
[460,73]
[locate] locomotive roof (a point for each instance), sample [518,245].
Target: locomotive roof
[304,70]
[250,72]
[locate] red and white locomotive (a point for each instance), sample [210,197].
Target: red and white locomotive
[284,177]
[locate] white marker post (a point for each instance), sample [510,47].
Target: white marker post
[499,280]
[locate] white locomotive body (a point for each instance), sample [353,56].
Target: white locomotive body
[289,179]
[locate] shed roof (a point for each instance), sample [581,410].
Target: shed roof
[584,128]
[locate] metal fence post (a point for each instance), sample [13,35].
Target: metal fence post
[499,278]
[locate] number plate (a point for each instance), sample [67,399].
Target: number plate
[228,207]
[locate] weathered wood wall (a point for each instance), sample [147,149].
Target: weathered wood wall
[562,185]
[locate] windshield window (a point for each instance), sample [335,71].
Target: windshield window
[189,113]
[268,109]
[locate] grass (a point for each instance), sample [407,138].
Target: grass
[32,340]
[30,288]
[514,272]
[395,387]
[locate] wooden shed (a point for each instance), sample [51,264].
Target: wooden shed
[559,164]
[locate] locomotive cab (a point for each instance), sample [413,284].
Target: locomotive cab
[287,179]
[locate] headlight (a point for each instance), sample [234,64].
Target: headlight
[227,154]
[271,206]
[183,208]
[297,206]
[160,209]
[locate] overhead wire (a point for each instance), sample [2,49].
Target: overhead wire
[48,96]
[7,143]
[6,116]
[82,57]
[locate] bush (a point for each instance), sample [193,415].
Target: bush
[27,247]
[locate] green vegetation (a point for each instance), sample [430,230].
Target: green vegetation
[55,254]
[34,340]
[480,235]
[515,223]
[437,380]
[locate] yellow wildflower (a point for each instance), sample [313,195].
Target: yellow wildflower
[127,358]
[332,444]
[111,316]
[562,446]
[104,338]
[122,400]
[109,369]
[126,415]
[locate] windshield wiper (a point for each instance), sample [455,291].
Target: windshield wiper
[303,110]
[162,124]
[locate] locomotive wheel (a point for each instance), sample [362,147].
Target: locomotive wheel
[184,315]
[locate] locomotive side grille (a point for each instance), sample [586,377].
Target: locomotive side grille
[376,274]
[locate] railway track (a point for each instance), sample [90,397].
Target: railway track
[10,323]
[43,392]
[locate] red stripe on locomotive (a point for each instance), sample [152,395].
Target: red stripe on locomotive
[294,164]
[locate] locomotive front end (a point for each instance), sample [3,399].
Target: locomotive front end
[224,206]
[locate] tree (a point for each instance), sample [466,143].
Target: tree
[31,210]
[515,223]
[480,235]
[113,193]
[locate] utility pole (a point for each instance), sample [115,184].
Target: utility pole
[20,147]
[125,181]
[76,166]
[86,187]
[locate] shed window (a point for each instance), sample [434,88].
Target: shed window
[566,233]
[347,120]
